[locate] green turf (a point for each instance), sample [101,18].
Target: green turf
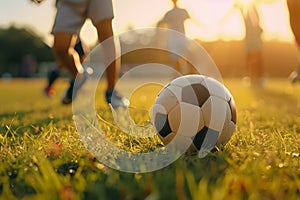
[43,158]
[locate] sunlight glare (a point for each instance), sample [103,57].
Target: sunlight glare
[276,28]
[139,13]
[210,20]
[213,20]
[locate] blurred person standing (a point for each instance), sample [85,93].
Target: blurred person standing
[294,17]
[253,42]
[28,66]
[174,19]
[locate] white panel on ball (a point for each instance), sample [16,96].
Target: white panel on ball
[181,81]
[174,117]
[181,143]
[190,117]
[216,88]
[214,110]
[167,99]
[176,90]
[195,78]
[226,134]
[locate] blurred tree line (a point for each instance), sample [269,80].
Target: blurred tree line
[21,52]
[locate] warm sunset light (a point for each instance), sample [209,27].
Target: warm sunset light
[223,20]
[149,99]
[275,21]
[210,20]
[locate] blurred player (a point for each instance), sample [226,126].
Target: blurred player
[294,14]
[70,17]
[253,40]
[54,72]
[174,19]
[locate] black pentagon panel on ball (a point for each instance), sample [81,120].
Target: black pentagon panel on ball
[210,135]
[195,94]
[162,124]
[233,110]
[199,137]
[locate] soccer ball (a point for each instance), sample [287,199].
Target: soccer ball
[195,110]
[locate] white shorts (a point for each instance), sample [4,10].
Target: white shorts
[71,14]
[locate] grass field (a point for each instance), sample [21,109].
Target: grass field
[43,158]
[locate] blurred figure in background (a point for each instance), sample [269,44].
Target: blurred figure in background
[294,12]
[253,41]
[28,66]
[174,19]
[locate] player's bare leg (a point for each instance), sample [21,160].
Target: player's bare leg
[294,14]
[54,72]
[64,51]
[66,55]
[255,68]
[295,75]
[105,31]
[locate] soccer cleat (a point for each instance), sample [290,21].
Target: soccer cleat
[71,93]
[67,96]
[115,99]
[295,76]
[52,75]
[49,91]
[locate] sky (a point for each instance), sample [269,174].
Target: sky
[210,19]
